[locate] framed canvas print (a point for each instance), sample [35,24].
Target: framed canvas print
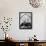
[25,20]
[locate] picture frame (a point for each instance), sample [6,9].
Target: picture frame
[25,20]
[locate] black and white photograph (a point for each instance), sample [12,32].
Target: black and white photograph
[25,20]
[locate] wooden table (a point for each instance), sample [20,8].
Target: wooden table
[28,43]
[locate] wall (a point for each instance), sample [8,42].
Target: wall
[11,8]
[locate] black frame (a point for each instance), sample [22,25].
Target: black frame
[20,27]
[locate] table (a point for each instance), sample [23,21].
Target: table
[28,43]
